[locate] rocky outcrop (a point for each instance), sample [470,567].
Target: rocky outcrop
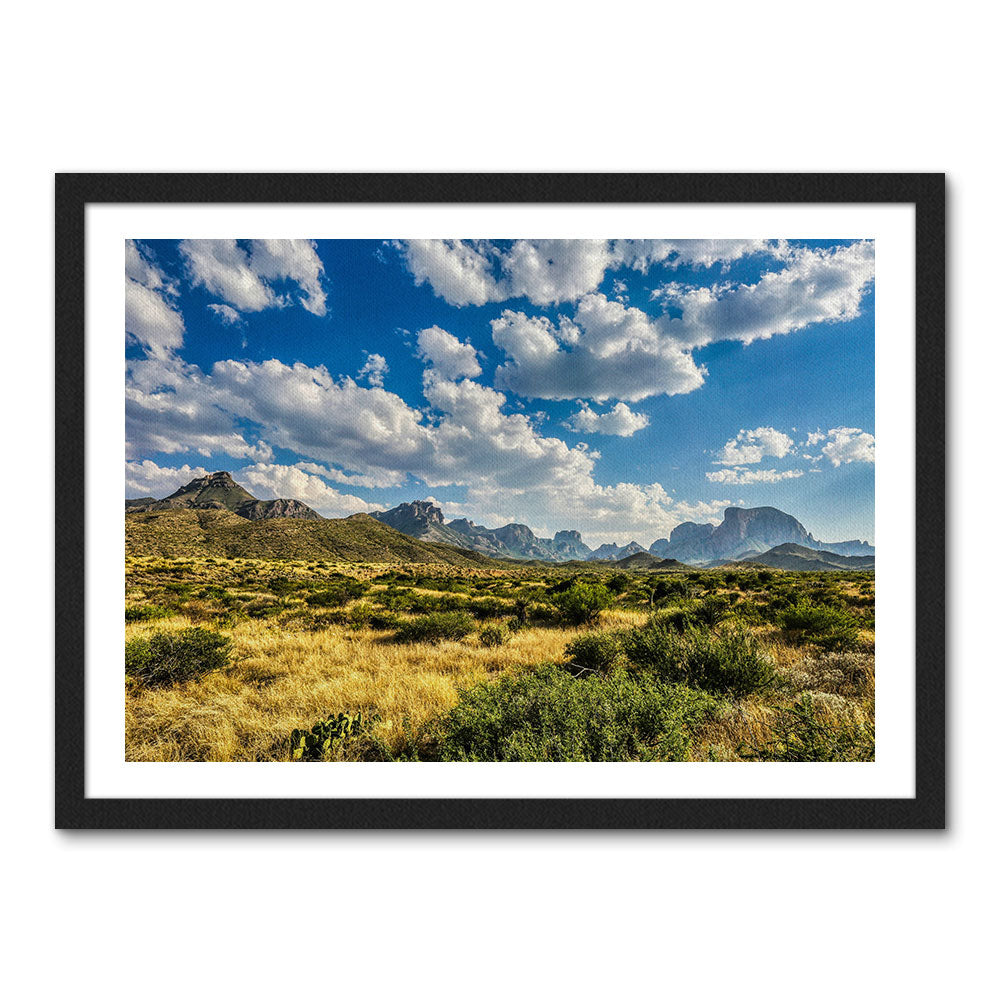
[568,545]
[219,491]
[260,509]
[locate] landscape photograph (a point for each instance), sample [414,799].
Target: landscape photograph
[500,500]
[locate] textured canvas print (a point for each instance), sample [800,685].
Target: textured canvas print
[499,500]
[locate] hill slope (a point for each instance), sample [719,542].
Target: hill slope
[180,533]
[798,557]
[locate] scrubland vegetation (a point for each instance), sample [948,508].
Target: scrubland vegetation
[256,660]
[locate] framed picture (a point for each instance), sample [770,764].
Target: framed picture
[500,501]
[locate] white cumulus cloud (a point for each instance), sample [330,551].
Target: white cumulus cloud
[243,275]
[459,271]
[227,314]
[147,479]
[619,421]
[374,370]
[849,444]
[170,407]
[610,351]
[551,271]
[448,356]
[750,447]
[816,286]
[151,317]
[743,477]
[640,254]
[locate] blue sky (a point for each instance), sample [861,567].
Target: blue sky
[614,386]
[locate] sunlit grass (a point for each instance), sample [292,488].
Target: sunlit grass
[296,663]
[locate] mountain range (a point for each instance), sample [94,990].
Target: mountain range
[760,534]
[743,534]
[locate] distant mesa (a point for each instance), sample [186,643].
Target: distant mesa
[219,491]
[744,533]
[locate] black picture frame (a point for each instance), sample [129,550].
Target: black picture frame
[74,810]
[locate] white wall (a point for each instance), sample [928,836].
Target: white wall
[527,86]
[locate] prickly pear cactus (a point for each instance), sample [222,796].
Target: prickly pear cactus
[316,743]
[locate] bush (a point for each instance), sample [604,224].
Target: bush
[805,732]
[583,602]
[598,652]
[436,627]
[676,589]
[363,615]
[172,657]
[829,628]
[548,715]
[146,613]
[493,635]
[489,607]
[712,609]
[618,583]
[335,597]
[729,662]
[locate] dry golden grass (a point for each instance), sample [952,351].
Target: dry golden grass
[842,687]
[289,672]
[281,680]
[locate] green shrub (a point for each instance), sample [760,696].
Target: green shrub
[548,715]
[172,657]
[729,662]
[674,589]
[583,602]
[488,607]
[363,615]
[435,627]
[618,583]
[146,613]
[597,652]
[493,635]
[712,609]
[334,597]
[805,732]
[829,628]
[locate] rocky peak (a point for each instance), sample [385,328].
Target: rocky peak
[689,530]
[219,491]
[412,518]
[514,533]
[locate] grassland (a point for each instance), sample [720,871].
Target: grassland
[512,662]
